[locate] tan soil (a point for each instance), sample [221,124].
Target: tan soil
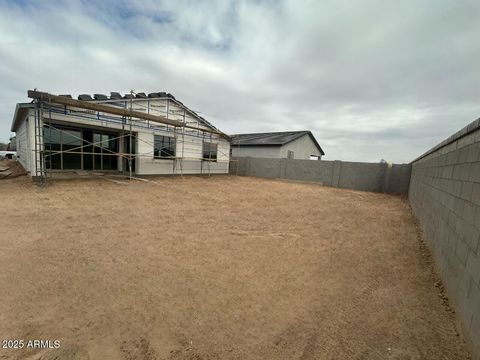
[217,268]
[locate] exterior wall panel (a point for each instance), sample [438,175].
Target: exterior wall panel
[272,152]
[23,144]
[302,148]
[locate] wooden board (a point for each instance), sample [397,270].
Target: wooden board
[5,173]
[43,96]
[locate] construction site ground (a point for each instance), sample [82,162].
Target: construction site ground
[218,267]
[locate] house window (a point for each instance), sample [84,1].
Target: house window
[209,151]
[73,149]
[163,147]
[290,154]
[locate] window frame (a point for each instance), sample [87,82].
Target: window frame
[172,149]
[210,156]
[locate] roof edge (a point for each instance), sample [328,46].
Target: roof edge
[19,109]
[316,143]
[299,134]
[247,145]
[309,133]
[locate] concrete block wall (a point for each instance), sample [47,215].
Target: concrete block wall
[308,170]
[445,195]
[362,176]
[350,175]
[397,179]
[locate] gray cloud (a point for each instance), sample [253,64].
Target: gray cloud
[372,80]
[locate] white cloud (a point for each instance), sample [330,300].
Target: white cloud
[372,80]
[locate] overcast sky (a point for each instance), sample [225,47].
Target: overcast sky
[371,79]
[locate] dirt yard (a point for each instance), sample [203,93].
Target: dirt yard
[217,268]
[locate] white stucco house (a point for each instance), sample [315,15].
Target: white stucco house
[59,134]
[278,145]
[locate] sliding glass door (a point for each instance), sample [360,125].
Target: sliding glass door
[76,149]
[105,151]
[71,148]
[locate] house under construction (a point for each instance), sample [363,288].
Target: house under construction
[134,134]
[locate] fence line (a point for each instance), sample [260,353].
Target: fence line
[377,177]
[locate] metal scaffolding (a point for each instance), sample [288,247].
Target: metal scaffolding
[130,121]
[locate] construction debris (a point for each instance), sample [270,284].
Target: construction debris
[10,169]
[5,173]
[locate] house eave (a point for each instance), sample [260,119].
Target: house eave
[21,109]
[254,145]
[258,141]
[316,143]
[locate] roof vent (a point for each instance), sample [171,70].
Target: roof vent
[100,97]
[141,95]
[84,97]
[153,95]
[128,96]
[66,96]
[115,95]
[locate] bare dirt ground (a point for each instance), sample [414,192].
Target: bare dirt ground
[217,268]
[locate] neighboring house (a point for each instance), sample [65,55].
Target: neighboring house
[7,155]
[280,145]
[57,133]
[12,145]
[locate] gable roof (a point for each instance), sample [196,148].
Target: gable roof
[272,138]
[116,97]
